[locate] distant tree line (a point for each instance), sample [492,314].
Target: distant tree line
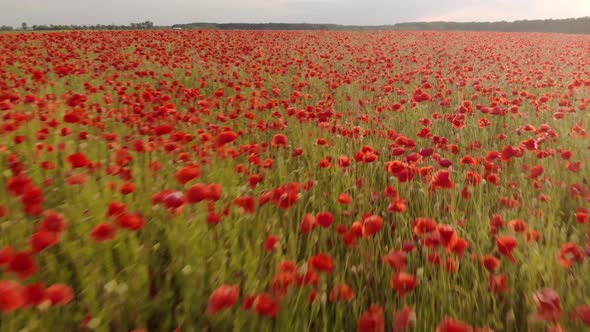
[6,28]
[279,26]
[571,25]
[147,25]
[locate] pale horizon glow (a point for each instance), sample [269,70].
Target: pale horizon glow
[352,12]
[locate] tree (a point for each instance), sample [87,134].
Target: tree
[24,25]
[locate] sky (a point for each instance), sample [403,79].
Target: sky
[355,12]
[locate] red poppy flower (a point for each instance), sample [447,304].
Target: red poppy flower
[322,262]
[398,204]
[536,171]
[23,265]
[214,191]
[34,294]
[308,223]
[574,166]
[48,165]
[79,160]
[188,173]
[549,305]
[404,319]
[266,305]
[286,195]
[225,138]
[247,203]
[582,313]
[396,259]
[506,246]
[498,283]
[131,221]
[77,179]
[224,297]
[570,254]
[518,226]
[344,199]
[424,226]
[403,283]
[53,222]
[33,198]
[451,265]
[533,235]
[341,292]
[372,225]
[11,296]
[325,219]
[59,294]
[297,152]
[372,320]
[582,215]
[104,232]
[272,242]
[127,188]
[196,193]
[343,161]
[447,235]
[408,246]
[497,223]
[115,209]
[163,130]
[173,200]
[254,180]
[279,285]
[309,278]
[42,240]
[491,263]
[279,140]
[287,266]
[325,163]
[452,325]
[442,180]
[459,247]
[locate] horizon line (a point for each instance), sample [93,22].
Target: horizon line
[324,23]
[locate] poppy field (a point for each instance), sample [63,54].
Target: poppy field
[294,181]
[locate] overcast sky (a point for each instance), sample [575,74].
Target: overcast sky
[361,12]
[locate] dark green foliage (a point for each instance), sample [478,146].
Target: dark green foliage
[147,25]
[570,25]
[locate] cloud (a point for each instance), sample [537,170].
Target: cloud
[472,14]
[505,10]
